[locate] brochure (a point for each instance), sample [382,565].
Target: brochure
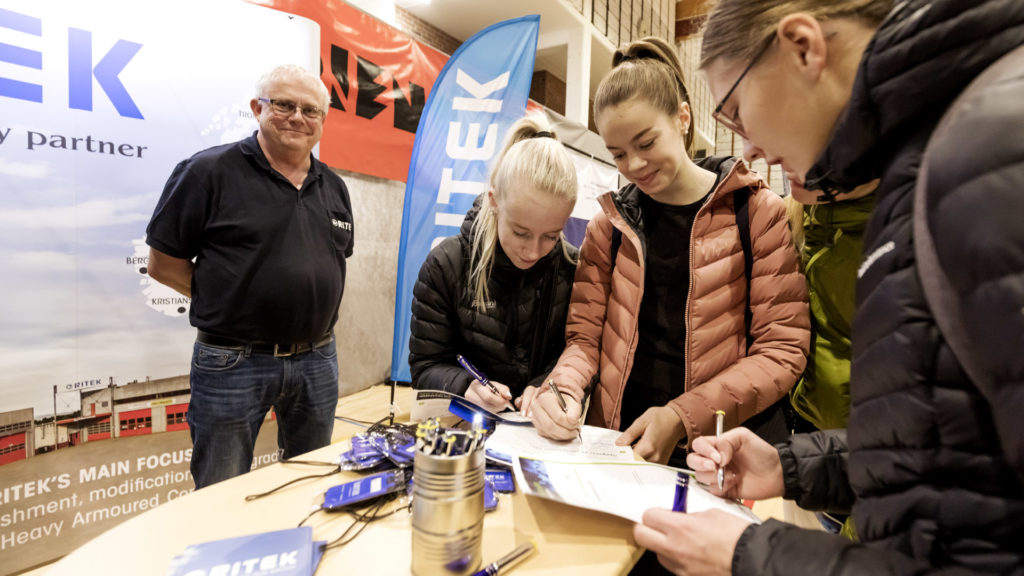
[289,552]
[625,489]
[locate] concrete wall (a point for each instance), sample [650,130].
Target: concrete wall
[366,320]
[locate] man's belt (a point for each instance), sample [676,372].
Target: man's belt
[279,350]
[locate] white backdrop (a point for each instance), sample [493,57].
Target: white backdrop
[98,101]
[74,302]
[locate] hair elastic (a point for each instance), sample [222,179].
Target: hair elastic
[543,134]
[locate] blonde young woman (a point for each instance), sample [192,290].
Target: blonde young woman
[932,462]
[498,292]
[659,319]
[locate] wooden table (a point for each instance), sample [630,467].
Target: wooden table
[570,540]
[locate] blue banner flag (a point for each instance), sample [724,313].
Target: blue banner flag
[479,93]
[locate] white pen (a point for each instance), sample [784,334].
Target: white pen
[719,424]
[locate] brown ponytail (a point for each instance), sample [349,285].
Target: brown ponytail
[648,68]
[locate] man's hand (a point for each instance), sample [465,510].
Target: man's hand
[700,543]
[655,432]
[753,470]
[170,271]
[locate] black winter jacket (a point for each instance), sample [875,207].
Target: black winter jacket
[515,342]
[934,466]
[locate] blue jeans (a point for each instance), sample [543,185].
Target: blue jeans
[232,393]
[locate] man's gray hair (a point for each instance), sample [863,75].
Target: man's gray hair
[290,73]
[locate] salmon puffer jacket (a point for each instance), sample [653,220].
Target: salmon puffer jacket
[721,374]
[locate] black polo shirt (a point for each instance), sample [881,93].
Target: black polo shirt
[269,259]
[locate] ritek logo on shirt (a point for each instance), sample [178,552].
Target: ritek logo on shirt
[341,224]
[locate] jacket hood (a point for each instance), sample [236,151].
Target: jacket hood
[922,56]
[732,175]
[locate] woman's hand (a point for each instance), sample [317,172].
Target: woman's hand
[525,402]
[753,470]
[481,395]
[655,433]
[700,543]
[548,417]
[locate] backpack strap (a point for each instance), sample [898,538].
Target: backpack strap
[616,242]
[774,423]
[742,209]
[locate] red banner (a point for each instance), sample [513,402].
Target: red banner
[379,80]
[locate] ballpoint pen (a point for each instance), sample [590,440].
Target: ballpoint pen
[507,560]
[476,373]
[561,403]
[719,423]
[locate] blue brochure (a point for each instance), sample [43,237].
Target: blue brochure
[289,552]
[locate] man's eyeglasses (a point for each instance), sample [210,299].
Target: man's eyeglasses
[734,123]
[287,108]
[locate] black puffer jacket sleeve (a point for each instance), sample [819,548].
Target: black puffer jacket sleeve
[814,471]
[434,328]
[780,549]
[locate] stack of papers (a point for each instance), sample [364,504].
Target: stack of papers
[598,475]
[597,445]
[281,553]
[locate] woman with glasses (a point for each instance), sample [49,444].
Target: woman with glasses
[664,313]
[932,462]
[497,293]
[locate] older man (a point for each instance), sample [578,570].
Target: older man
[257,233]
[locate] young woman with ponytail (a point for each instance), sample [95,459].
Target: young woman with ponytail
[666,321]
[498,292]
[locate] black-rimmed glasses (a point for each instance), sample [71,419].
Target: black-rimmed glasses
[287,108]
[733,123]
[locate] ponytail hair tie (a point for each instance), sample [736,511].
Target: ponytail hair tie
[543,134]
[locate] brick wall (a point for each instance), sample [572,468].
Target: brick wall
[549,90]
[425,32]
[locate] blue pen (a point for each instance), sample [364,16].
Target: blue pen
[475,373]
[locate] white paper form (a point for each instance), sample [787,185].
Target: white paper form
[624,489]
[598,445]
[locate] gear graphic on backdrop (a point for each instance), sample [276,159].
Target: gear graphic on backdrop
[158,297]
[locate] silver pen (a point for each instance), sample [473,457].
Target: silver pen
[561,403]
[719,424]
[495,568]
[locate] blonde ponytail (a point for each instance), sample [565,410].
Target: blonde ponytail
[532,156]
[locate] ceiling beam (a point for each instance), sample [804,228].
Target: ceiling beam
[690,16]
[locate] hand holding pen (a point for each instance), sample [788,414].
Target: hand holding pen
[754,467]
[719,425]
[561,403]
[484,381]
